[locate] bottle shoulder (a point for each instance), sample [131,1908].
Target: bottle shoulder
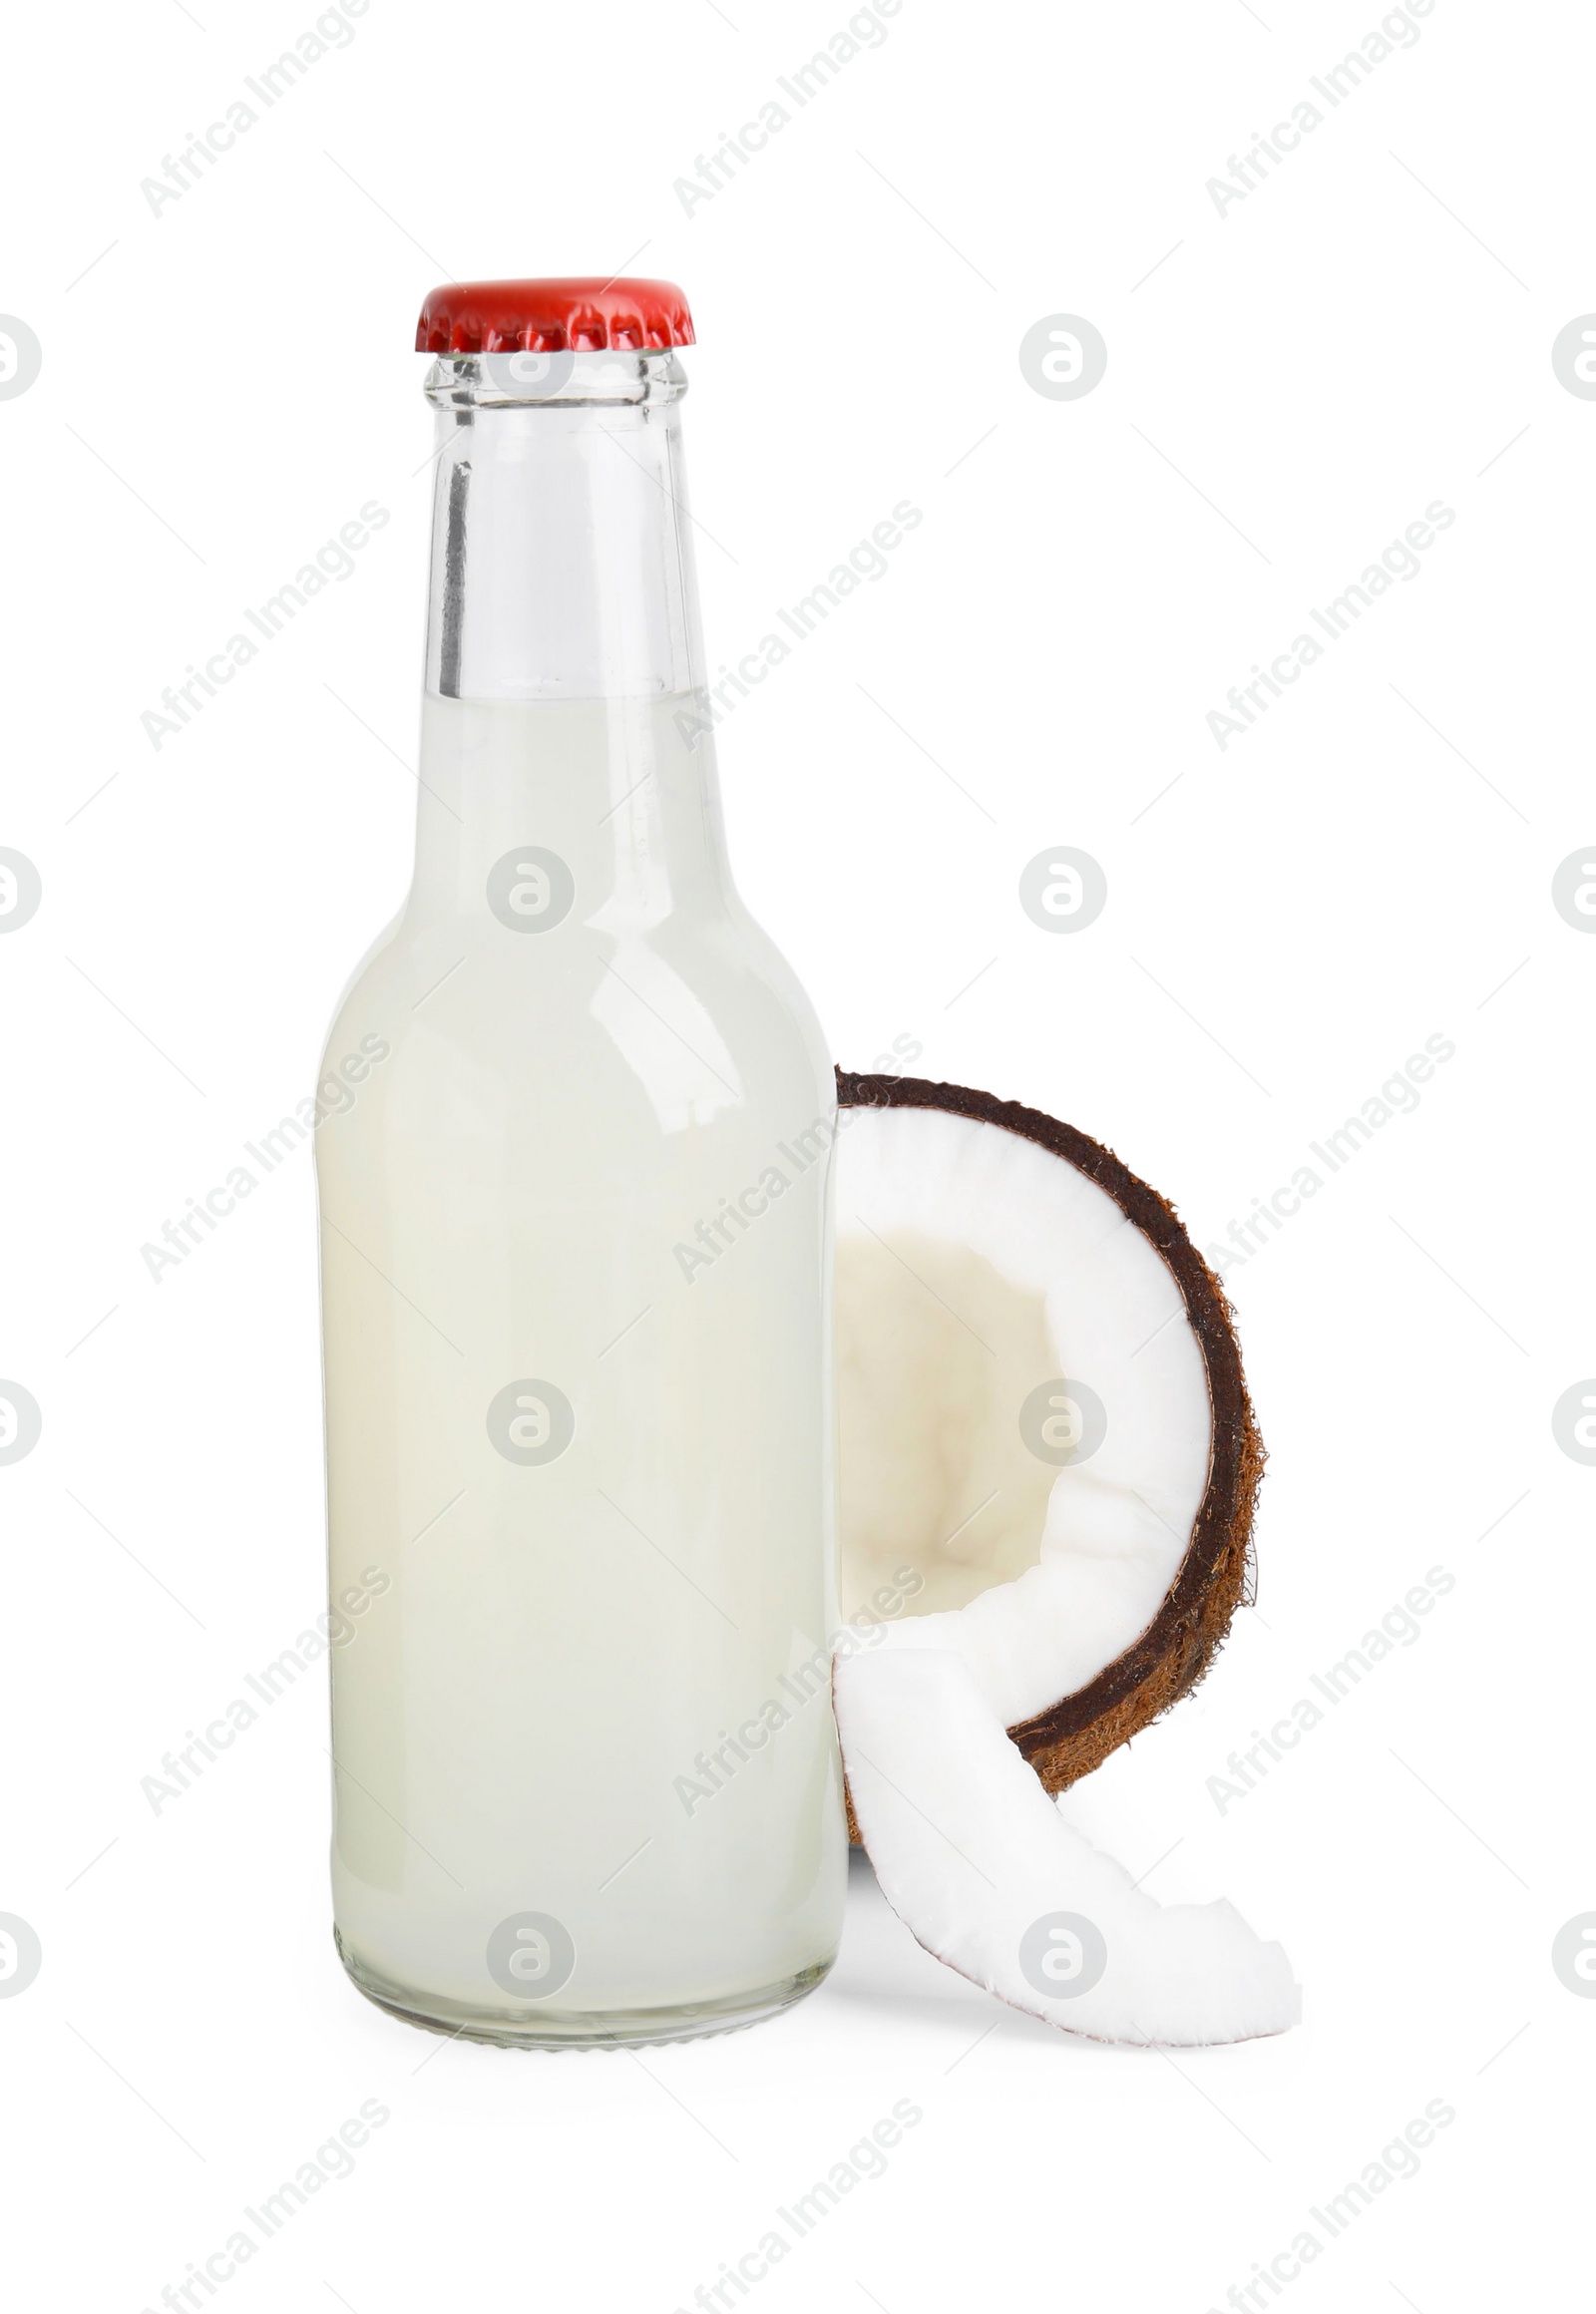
[685,1021]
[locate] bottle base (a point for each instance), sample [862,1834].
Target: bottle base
[608,2029]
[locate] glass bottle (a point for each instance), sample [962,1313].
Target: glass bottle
[576,1265]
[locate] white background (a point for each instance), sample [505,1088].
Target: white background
[1288,385]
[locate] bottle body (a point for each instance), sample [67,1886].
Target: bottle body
[577,1338]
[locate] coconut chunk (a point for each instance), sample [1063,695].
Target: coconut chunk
[978,1864]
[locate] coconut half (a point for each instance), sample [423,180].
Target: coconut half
[1048,1467]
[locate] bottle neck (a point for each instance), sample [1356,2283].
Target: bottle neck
[562,640]
[562,559]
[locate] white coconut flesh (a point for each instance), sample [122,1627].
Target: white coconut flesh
[1031,1463]
[975,1857]
[974,1269]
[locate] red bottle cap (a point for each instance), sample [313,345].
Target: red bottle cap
[580,313]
